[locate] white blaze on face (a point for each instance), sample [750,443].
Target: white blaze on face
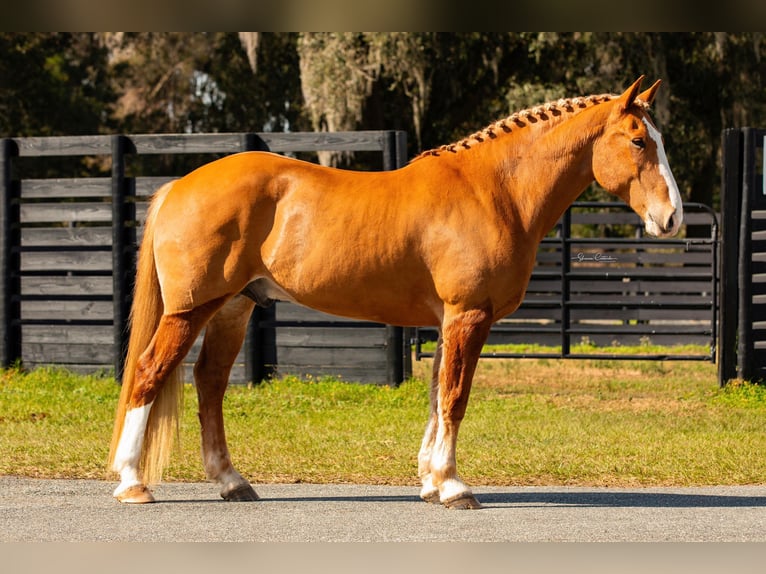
[664,166]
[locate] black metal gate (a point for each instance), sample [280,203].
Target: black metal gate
[590,293]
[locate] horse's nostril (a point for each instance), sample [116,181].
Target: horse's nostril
[671,222]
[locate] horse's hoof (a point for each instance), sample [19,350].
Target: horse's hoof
[242,493]
[432,497]
[462,502]
[137,494]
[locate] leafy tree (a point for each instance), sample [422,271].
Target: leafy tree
[258,94]
[205,82]
[52,84]
[157,78]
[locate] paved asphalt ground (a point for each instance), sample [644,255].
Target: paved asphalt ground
[84,511]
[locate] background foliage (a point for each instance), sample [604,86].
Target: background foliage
[436,86]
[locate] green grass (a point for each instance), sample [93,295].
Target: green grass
[529,421]
[586,347]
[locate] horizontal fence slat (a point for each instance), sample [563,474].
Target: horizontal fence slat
[65,212]
[678,288]
[276,142]
[626,301]
[64,146]
[66,236]
[67,353]
[307,356]
[319,141]
[67,311]
[66,188]
[73,286]
[62,261]
[63,334]
[352,338]
[148,144]
[610,218]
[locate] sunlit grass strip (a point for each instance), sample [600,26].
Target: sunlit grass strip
[529,422]
[585,348]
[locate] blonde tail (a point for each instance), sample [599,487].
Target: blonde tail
[144,318]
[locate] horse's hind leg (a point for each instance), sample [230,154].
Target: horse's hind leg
[172,340]
[223,340]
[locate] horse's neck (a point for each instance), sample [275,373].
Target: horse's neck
[553,168]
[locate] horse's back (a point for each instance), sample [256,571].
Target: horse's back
[386,246]
[321,234]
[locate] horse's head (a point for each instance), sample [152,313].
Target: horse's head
[629,161]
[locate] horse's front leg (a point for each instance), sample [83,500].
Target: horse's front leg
[463,336]
[223,340]
[429,492]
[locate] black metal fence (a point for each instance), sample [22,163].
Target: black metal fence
[589,291]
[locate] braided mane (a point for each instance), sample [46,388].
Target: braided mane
[523,118]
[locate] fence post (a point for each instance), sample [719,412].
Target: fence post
[566,266]
[10,242]
[123,250]
[397,345]
[731,176]
[258,339]
[744,266]
[408,333]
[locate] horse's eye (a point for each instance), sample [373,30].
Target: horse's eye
[639,143]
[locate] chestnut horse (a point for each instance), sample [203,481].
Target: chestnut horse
[448,241]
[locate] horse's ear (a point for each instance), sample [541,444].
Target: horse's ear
[648,95]
[627,98]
